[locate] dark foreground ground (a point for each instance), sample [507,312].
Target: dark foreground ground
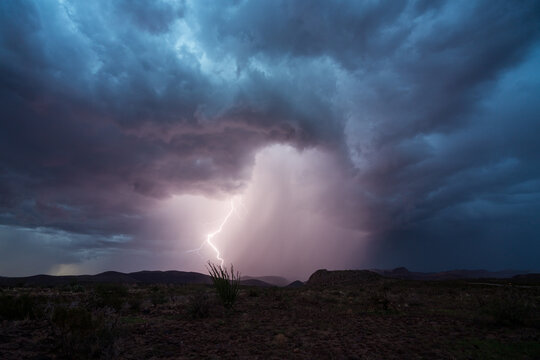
[364,319]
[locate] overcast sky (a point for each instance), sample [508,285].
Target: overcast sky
[348,134]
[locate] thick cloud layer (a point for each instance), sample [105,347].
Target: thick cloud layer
[424,116]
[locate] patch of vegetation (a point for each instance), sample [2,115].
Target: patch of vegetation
[494,349]
[83,335]
[133,320]
[380,302]
[198,306]
[158,297]
[226,283]
[281,299]
[135,303]
[19,307]
[307,298]
[110,295]
[72,318]
[510,309]
[74,287]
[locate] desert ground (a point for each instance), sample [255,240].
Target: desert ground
[335,315]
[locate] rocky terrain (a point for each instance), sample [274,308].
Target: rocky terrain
[335,315]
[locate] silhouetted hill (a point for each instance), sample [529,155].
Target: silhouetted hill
[273,280]
[143,277]
[320,277]
[108,277]
[170,277]
[255,282]
[527,278]
[404,273]
[324,277]
[50,280]
[348,277]
[295,284]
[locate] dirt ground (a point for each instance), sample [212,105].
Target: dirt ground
[383,319]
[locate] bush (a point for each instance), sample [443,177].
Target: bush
[72,318]
[111,295]
[226,283]
[18,308]
[158,298]
[75,287]
[198,306]
[510,309]
[82,335]
[135,303]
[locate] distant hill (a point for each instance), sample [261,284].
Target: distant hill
[295,284]
[255,282]
[141,277]
[324,277]
[274,280]
[404,273]
[170,277]
[320,277]
[534,278]
[50,280]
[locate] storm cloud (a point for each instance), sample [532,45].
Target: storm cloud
[415,123]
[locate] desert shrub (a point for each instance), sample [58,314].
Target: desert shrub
[278,295]
[158,298]
[253,293]
[110,295]
[72,318]
[111,289]
[19,307]
[475,348]
[308,298]
[281,299]
[509,309]
[83,335]
[75,287]
[332,297]
[226,283]
[135,303]
[380,302]
[198,306]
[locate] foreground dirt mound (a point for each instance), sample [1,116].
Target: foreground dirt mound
[324,277]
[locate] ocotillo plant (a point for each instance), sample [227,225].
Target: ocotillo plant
[226,283]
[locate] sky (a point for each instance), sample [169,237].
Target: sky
[346,134]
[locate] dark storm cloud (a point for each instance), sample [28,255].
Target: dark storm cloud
[431,106]
[348,32]
[155,17]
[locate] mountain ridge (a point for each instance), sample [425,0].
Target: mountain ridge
[319,276]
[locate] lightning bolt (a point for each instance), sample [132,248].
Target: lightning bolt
[211,235]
